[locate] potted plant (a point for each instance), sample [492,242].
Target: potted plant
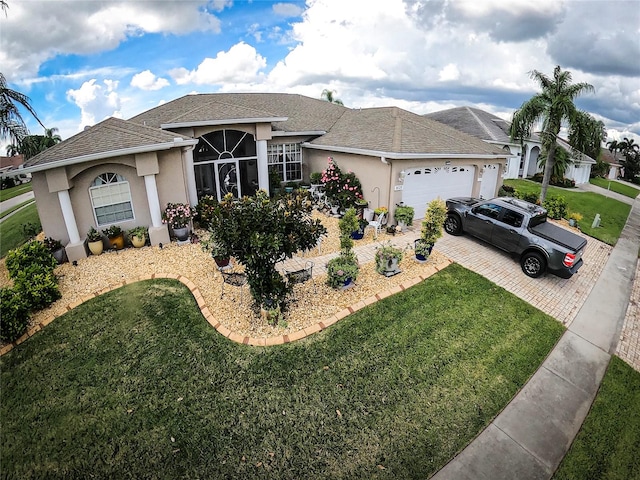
[138,236]
[94,240]
[178,216]
[220,254]
[574,218]
[387,259]
[342,271]
[381,211]
[431,229]
[115,235]
[359,233]
[404,216]
[315,178]
[57,250]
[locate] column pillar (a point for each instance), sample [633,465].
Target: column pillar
[263,167]
[158,232]
[69,216]
[192,189]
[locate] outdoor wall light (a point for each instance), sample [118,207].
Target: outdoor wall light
[448,162]
[402,175]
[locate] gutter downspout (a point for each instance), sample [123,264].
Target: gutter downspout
[387,162]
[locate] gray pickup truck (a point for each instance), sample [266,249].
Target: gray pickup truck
[520,228]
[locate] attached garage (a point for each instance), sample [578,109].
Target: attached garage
[489,180]
[421,185]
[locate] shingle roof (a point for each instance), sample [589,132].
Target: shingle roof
[392,129]
[476,122]
[387,129]
[304,113]
[106,136]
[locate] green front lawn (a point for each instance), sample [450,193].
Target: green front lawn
[136,384]
[617,187]
[12,233]
[608,444]
[613,214]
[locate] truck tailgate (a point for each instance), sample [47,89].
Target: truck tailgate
[559,235]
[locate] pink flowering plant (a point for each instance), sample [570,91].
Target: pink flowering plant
[178,215]
[342,189]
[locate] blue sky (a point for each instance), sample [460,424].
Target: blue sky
[81,61]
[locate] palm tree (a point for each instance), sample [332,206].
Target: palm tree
[4,5]
[12,124]
[50,138]
[587,134]
[553,106]
[328,96]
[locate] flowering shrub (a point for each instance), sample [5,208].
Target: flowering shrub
[178,215]
[342,189]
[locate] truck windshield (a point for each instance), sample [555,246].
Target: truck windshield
[537,219]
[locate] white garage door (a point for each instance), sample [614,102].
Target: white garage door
[421,185]
[489,181]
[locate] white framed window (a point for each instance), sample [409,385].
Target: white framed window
[111,199]
[286,159]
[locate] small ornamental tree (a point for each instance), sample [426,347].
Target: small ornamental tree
[261,232]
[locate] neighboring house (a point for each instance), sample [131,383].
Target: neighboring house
[125,171]
[613,159]
[11,167]
[494,130]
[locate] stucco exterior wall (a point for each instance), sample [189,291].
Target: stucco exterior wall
[48,208]
[171,181]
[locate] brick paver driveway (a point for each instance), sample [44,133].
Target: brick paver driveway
[562,299]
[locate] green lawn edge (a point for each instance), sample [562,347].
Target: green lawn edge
[608,443]
[8,193]
[613,213]
[135,383]
[12,233]
[621,188]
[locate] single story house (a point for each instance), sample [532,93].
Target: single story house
[523,162]
[125,172]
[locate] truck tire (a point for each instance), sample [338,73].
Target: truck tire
[533,264]
[453,224]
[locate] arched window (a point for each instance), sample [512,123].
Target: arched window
[111,199]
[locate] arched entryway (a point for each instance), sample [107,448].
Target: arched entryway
[225,161]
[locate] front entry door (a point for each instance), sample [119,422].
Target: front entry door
[227,178]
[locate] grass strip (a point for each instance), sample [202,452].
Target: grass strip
[621,188]
[8,193]
[14,208]
[12,233]
[136,384]
[608,444]
[613,213]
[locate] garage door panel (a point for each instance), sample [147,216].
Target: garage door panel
[421,185]
[489,181]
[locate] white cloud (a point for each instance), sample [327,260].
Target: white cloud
[70,27]
[287,9]
[449,72]
[241,64]
[148,81]
[96,102]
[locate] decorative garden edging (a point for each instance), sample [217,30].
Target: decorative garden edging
[233,336]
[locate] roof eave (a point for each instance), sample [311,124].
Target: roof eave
[226,121]
[111,154]
[408,156]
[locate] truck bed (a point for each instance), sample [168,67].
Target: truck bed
[562,236]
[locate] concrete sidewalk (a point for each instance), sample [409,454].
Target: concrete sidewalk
[529,438]
[12,202]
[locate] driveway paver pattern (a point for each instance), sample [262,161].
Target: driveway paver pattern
[560,298]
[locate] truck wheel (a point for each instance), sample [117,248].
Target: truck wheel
[452,224]
[533,264]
